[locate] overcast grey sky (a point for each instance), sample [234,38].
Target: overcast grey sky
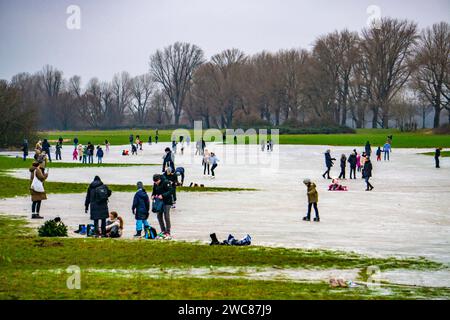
[117,35]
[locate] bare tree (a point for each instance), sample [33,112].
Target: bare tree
[387,49]
[173,69]
[121,93]
[141,91]
[432,68]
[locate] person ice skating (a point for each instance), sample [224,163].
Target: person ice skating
[343,165]
[313,199]
[378,153]
[168,160]
[162,189]
[107,145]
[205,161]
[437,154]
[58,151]
[114,225]
[97,200]
[80,151]
[367,173]
[99,155]
[352,161]
[25,149]
[368,149]
[75,154]
[387,150]
[141,209]
[213,161]
[328,163]
[37,190]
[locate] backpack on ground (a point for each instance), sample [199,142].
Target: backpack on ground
[150,233]
[101,193]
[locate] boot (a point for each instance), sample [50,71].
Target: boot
[138,234]
[317,219]
[80,227]
[307,218]
[214,240]
[36,216]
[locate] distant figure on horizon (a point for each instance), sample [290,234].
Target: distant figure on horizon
[437,154]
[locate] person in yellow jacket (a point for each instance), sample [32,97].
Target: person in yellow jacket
[313,199]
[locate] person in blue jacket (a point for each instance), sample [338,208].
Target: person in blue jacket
[141,208]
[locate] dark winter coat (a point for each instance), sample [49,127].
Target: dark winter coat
[352,160]
[141,205]
[165,189]
[343,162]
[99,210]
[46,147]
[328,160]
[100,153]
[168,162]
[368,149]
[367,169]
[437,154]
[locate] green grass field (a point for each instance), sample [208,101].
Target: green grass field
[11,186]
[377,137]
[34,268]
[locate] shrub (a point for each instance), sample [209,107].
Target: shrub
[53,228]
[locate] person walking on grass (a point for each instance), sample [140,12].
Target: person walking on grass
[352,161]
[99,155]
[437,154]
[162,189]
[387,150]
[343,165]
[379,153]
[367,173]
[328,163]
[97,200]
[213,161]
[37,178]
[313,199]
[141,209]
[25,149]
[58,151]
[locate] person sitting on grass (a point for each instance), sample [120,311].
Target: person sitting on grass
[114,226]
[140,209]
[313,199]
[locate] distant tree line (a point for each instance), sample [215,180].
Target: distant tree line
[388,74]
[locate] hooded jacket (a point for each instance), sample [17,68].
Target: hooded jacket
[99,210]
[141,205]
[312,193]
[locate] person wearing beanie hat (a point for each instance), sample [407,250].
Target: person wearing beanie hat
[313,198]
[141,208]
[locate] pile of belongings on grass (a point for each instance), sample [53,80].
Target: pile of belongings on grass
[231,241]
[336,186]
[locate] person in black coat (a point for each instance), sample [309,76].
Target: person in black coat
[46,148]
[368,149]
[168,160]
[25,149]
[352,161]
[367,173]
[437,154]
[162,189]
[328,163]
[343,165]
[97,199]
[141,208]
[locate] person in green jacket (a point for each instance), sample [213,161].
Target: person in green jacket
[313,199]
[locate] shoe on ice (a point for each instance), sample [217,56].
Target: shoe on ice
[36,216]
[317,219]
[306,219]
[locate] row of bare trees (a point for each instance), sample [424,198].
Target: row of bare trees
[387,74]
